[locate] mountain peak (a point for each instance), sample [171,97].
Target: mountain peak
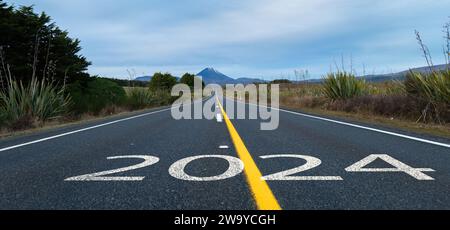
[211,70]
[211,75]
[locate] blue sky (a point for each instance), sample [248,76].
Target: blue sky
[250,38]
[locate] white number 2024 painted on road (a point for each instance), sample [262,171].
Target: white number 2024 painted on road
[236,166]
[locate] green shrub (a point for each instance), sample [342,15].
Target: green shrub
[163,97]
[2,117]
[139,98]
[433,92]
[342,86]
[21,106]
[189,79]
[95,94]
[163,82]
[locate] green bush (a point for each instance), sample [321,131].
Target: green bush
[342,86]
[21,106]
[434,87]
[189,79]
[163,97]
[433,92]
[163,82]
[2,118]
[139,98]
[95,94]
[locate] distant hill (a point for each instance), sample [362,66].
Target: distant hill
[400,76]
[143,78]
[244,80]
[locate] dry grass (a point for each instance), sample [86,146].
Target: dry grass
[109,113]
[406,125]
[385,103]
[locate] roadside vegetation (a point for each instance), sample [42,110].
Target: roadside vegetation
[410,104]
[422,98]
[43,77]
[343,86]
[23,106]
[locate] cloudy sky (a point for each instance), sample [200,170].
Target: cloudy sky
[250,38]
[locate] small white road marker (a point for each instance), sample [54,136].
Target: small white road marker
[224,147]
[219,118]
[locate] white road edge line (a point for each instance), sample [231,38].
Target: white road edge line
[353,125]
[81,130]
[92,127]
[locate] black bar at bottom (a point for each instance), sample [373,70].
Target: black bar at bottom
[203,219]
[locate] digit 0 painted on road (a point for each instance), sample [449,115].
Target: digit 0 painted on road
[235,168]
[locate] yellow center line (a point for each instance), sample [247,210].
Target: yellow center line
[264,198]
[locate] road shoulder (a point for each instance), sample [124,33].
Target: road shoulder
[437,132]
[51,127]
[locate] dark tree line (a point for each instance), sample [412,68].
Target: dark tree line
[189,79]
[128,83]
[281,81]
[162,81]
[31,45]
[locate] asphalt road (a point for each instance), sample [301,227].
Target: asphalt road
[39,171]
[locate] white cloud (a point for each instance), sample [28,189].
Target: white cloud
[253,22]
[239,36]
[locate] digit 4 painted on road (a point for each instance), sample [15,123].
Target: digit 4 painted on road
[398,167]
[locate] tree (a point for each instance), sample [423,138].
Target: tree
[162,81]
[188,79]
[33,46]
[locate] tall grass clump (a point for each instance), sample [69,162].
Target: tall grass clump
[139,98]
[432,91]
[342,86]
[22,106]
